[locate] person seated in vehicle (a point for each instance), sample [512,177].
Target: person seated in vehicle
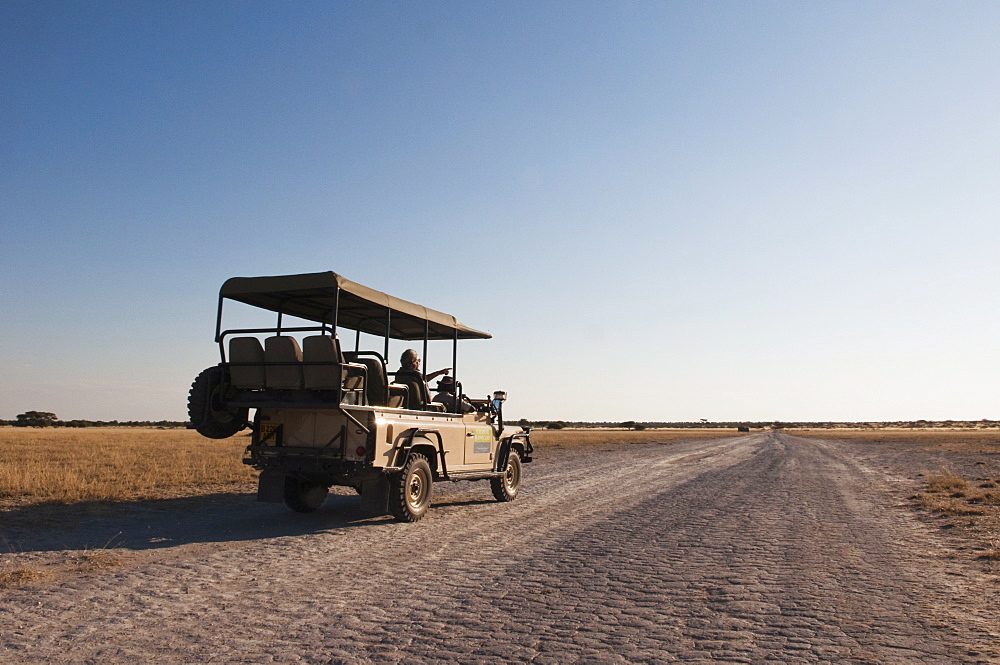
[446,395]
[409,374]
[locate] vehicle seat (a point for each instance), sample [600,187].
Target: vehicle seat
[322,349]
[376,385]
[397,395]
[417,395]
[354,384]
[246,350]
[285,351]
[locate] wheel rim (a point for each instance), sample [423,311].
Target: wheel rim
[215,406]
[512,476]
[313,495]
[416,489]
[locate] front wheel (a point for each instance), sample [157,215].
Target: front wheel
[506,486]
[303,496]
[411,490]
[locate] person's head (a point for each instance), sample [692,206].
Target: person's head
[410,359]
[446,385]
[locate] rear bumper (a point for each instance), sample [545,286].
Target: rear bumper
[325,466]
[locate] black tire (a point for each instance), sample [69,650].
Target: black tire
[304,496]
[505,487]
[206,411]
[410,490]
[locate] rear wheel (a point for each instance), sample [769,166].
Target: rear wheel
[506,486]
[304,496]
[411,490]
[206,411]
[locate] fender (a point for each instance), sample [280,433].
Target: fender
[524,440]
[503,450]
[421,438]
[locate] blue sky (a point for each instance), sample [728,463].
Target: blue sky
[660,210]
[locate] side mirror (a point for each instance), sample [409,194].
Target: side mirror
[498,399]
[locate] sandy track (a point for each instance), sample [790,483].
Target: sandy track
[764,547]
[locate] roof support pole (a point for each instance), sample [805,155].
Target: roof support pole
[388,329]
[427,333]
[218,320]
[218,331]
[454,363]
[336,309]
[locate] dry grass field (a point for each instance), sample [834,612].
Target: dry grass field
[52,465]
[57,465]
[64,465]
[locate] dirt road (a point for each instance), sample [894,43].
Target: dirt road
[759,548]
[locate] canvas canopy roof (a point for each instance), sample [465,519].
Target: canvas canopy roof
[311,296]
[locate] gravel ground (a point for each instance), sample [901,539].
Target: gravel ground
[762,548]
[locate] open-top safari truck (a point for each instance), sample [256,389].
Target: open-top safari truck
[325,416]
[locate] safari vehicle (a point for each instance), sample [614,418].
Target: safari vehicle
[324,416]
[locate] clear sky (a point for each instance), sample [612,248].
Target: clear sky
[660,210]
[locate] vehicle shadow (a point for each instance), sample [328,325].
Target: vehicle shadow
[440,503]
[160,523]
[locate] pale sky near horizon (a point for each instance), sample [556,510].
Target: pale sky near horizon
[661,210]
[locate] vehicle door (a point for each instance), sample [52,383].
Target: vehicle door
[480,444]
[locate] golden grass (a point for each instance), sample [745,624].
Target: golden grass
[949,493]
[98,560]
[947,480]
[63,465]
[595,437]
[947,505]
[19,576]
[115,464]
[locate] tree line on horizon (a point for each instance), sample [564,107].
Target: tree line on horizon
[49,419]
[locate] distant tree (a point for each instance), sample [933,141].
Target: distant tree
[639,427]
[35,419]
[555,425]
[523,422]
[628,424]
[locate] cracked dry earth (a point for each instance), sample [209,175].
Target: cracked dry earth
[761,548]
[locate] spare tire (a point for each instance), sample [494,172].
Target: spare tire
[206,411]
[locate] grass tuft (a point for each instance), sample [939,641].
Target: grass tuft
[99,560]
[947,480]
[947,505]
[950,494]
[19,577]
